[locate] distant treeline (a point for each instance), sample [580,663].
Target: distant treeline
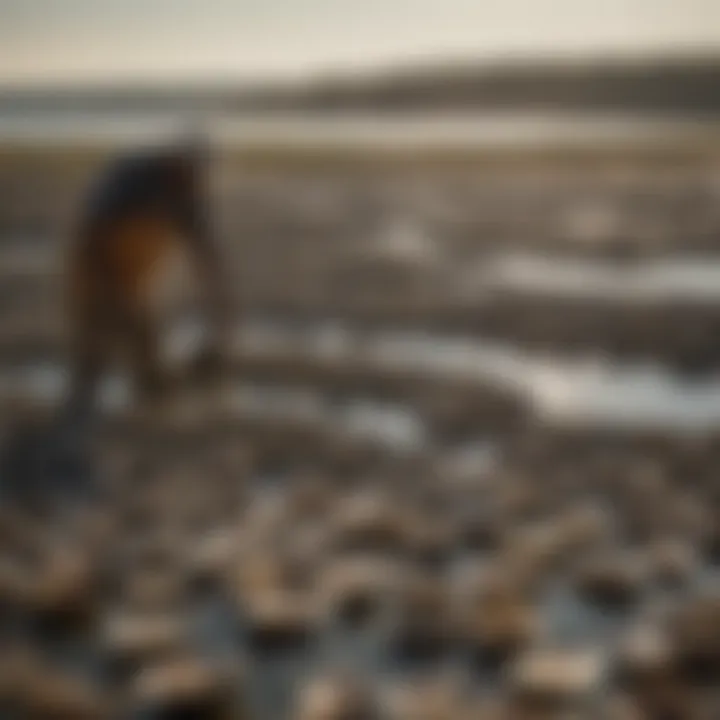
[667,86]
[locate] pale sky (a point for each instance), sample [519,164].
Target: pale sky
[129,40]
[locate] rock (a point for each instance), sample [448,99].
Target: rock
[311,542]
[613,579]
[274,568]
[210,558]
[185,687]
[430,699]
[280,620]
[498,621]
[369,521]
[584,527]
[18,668]
[694,630]
[42,464]
[712,544]
[425,626]
[23,533]
[132,640]
[16,584]
[311,498]
[37,691]
[337,698]
[430,539]
[479,530]
[557,678]
[518,501]
[532,554]
[665,700]
[63,591]
[690,518]
[620,707]
[671,562]
[61,698]
[266,521]
[97,530]
[358,588]
[153,590]
[644,657]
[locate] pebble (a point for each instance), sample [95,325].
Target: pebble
[63,589]
[557,678]
[380,549]
[614,579]
[131,640]
[42,692]
[644,658]
[672,563]
[694,629]
[148,589]
[498,620]
[369,521]
[338,698]
[646,669]
[280,620]
[424,626]
[435,698]
[209,558]
[187,687]
[358,588]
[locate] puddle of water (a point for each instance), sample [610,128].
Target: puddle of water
[580,392]
[48,381]
[391,424]
[590,392]
[625,396]
[676,279]
[571,621]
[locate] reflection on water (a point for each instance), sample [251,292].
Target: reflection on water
[558,390]
[384,422]
[389,424]
[447,130]
[681,279]
[634,395]
[594,392]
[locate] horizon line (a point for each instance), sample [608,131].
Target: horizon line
[376,70]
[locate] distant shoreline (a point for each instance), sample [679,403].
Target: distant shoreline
[421,135]
[686,84]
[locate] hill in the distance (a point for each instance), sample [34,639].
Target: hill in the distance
[678,85]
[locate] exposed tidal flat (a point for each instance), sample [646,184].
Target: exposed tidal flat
[465,465]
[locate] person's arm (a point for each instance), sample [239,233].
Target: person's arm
[188,171]
[213,282]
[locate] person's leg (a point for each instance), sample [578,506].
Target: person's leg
[152,380]
[89,352]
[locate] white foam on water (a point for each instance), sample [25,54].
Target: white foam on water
[594,392]
[625,396]
[676,279]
